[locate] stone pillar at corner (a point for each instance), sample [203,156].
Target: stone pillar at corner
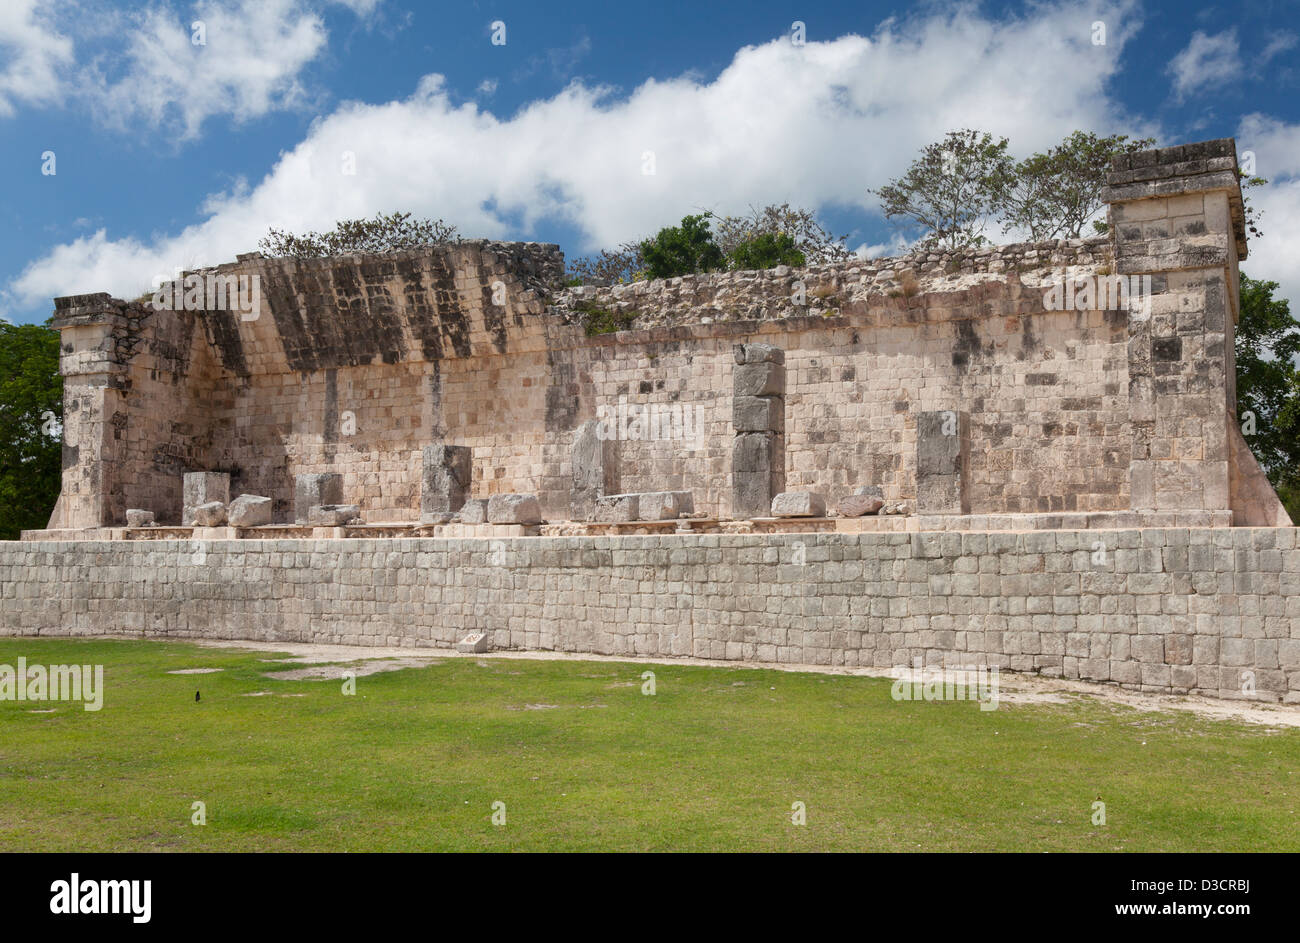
[758,417]
[1176,217]
[93,378]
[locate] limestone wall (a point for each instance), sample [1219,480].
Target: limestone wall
[354,364]
[1161,609]
[1046,392]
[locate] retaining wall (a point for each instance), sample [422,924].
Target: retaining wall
[1215,611]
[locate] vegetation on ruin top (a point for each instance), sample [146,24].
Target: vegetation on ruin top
[394,232]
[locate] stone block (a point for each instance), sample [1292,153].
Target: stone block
[617,508]
[315,490]
[595,468]
[202,488]
[332,515]
[473,511]
[798,504]
[942,462]
[758,414]
[211,514]
[759,379]
[138,517]
[758,353]
[473,644]
[856,505]
[757,473]
[444,480]
[249,510]
[514,509]
[658,506]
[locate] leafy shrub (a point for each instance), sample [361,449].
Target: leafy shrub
[767,250]
[683,250]
[392,233]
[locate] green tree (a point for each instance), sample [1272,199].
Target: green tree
[1268,386]
[1054,195]
[683,250]
[953,189]
[767,250]
[817,245]
[31,410]
[609,266]
[391,233]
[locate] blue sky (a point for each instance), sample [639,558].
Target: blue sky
[169,154]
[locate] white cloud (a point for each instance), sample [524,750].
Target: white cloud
[1207,60]
[142,67]
[32,56]
[1277,158]
[894,246]
[487,87]
[1277,45]
[249,64]
[816,125]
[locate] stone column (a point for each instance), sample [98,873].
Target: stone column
[312,490]
[943,462]
[595,468]
[202,488]
[444,481]
[93,383]
[758,417]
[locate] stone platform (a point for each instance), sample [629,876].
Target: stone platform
[1208,610]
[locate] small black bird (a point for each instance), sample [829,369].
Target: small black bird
[196,697]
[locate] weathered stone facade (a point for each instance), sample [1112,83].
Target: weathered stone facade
[356,365]
[1020,483]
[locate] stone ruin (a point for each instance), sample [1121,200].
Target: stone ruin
[402,386]
[861,463]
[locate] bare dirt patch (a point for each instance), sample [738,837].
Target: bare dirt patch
[356,669]
[195,671]
[1016,689]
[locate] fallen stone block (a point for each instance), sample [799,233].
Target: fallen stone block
[202,488]
[473,511]
[657,506]
[321,489]
[249,510]
[138,517]
[473,644]
[211,514]
[798,504]
[856,505]
[332,515]
[617,508]
[514,509]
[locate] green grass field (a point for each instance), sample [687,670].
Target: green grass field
[584,761]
